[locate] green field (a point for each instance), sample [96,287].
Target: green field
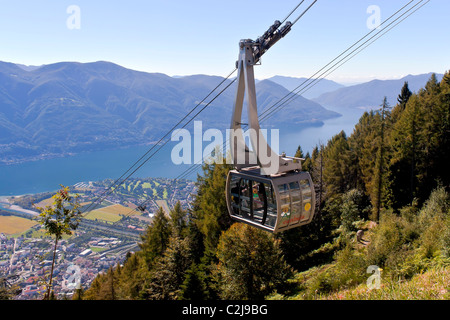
[147,185]
[111,213]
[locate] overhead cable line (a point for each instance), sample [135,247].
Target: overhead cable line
[293,95]
[347,58]
[293,10]
[342,61]
[303,13]
[118,181]
[268,34]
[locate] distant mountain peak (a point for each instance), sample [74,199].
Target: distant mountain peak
[370,94]
[317,87]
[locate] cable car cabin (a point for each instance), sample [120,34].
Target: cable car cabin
[273,203]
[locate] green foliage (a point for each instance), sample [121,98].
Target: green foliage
[251,263]
[353,209]
[155,240]
[394,164]
[336,165]
[348,270]
[178,221]
[168,274]
[62,217]
[404,95]
[210,209]
[194,286]
[433,224]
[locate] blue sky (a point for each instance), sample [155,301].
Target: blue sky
[201,37]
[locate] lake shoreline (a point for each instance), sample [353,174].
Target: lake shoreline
[47,175]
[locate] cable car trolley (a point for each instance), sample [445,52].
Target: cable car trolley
[266,190]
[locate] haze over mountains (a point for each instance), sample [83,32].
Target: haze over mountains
[71,107]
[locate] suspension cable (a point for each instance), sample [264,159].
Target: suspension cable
[302,14]
[293,10]
[293,95]
[110,189]
[352,54]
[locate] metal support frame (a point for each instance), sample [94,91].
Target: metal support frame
[270,163]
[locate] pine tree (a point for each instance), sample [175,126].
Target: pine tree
[210,208]
[299,152]
[404,95]
[446,78]
[178,221]
[169,272]
[357,142]
[194,286]
[380,172]
[134,274]
[336,176]
[406,144]
[156,239]
[93,292]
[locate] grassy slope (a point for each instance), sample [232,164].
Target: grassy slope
[433,284]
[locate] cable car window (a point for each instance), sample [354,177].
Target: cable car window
[244,198]
[259,201]
[283,191]
[234,190]
[296,200]
[271,206]
[306,193]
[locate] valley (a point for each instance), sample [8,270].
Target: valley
[110,229]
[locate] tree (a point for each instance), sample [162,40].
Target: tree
[156,239]
[446,78]
[133,275]
[353,208]
[299,152]
[169,272]
[178,221]
[380,163]
[336,175]
[194,286]
[108,288]
[251,263]
[404,95]
[209,208]
[62,217]
[421,144]
[406,143]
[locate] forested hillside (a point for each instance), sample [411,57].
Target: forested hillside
[389,178]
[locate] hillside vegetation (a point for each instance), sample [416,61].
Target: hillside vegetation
[389,178]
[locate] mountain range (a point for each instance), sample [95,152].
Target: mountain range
[316,88]
[370,95]
[71,107]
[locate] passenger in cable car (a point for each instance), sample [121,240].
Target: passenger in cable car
[258,197]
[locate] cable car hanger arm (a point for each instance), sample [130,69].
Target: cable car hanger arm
[269,38]
[262,155]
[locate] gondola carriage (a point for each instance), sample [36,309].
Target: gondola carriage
[273,203]
[275,195]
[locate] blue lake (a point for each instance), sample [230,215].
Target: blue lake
[47,175]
